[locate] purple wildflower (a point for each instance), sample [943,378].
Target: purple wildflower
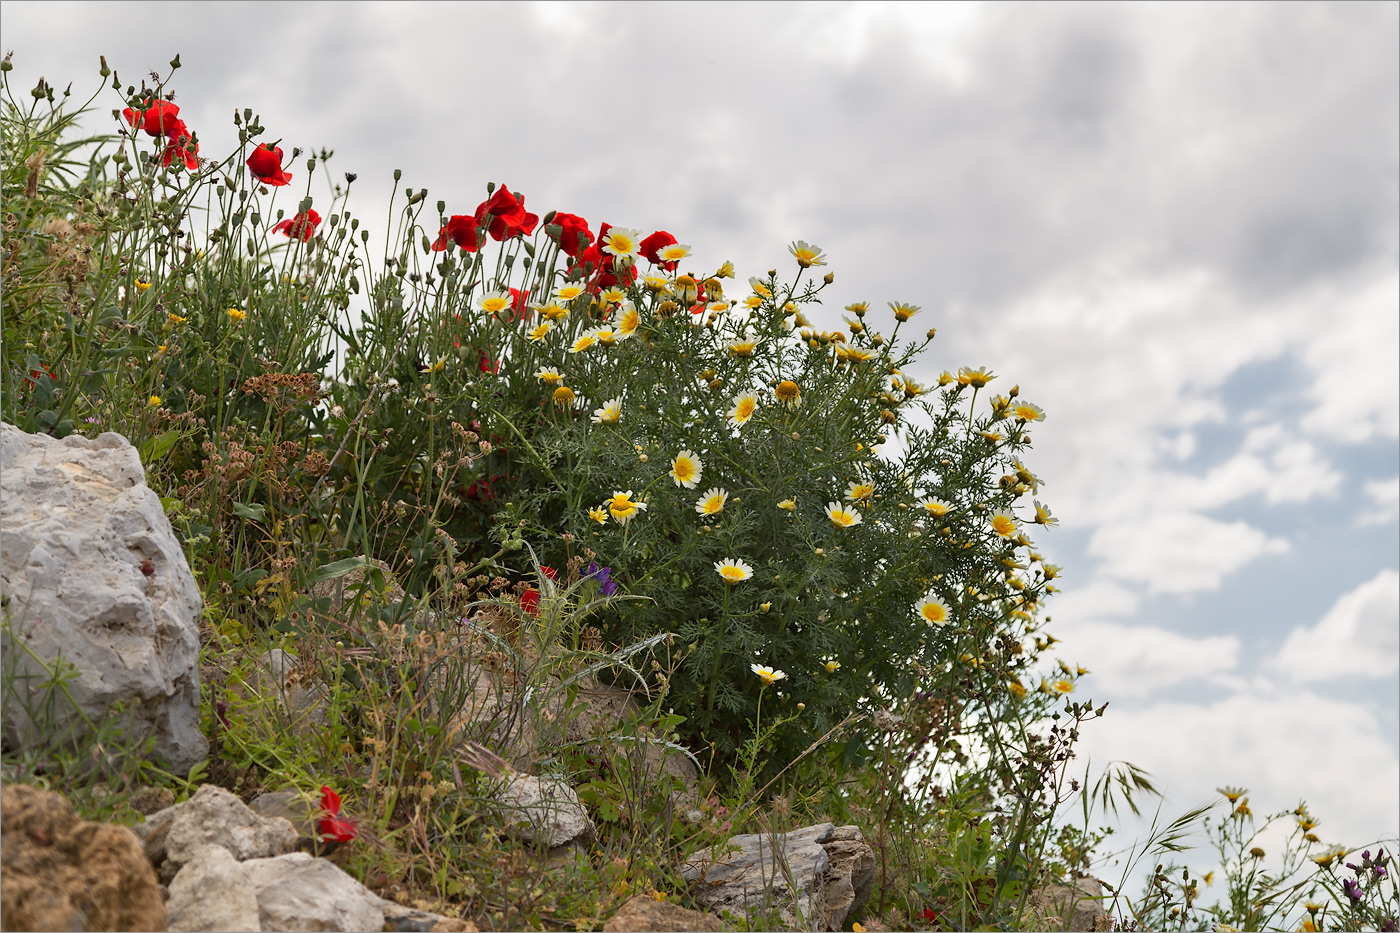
[1352,890]
[606,586]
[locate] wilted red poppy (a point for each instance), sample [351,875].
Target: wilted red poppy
[266,163]
[459,229]
[574,235]
[330,826]
[530,599]
[302,225]
[652,245]
[504,215]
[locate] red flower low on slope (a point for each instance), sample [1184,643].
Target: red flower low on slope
[266,163]
[331,827]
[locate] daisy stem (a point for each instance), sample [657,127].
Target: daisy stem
[719,649]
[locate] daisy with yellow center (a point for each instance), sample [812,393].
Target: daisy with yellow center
[788,393]
[175,320]
[741,347]
[858,354]
[841,516]
[932,610]
[550,376]
[673,253]
[584,342]
[143,283]
[760,287]
[622,242]
[911,388]
[1231,794]
[712,502]
[622,507]
[610,413]
[717,307]
[628,323]
[569,292]
[604,335]
[1330,855]
[554,311]
[732,570]
[1028,412]
[903,311]
[1016,689]
[807,255]
[686,289]
[725,271]
[612,296]
[744,407]
[236,315]
[160,350]
[753,302]
[537,334]
[860,491]
[832,666]
[1003,523]
[599,515]
[565,397]
[977,378]
[686,469]
[657,282]
[788,505]
[768,675]
[495,302]
[859,308]
[1043,516]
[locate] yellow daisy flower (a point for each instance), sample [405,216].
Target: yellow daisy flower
[622,241]
[903,311]
[569,292]
[768,675]
[495,302]
[832,666]
[686,469]
[788,392]
[741,347]
[1028,412]
[860,491]
[1043,516]
[788,505]
[142,283]
[753,302]
[977,378]
[744,407]
[842,517]
[599,515]
[657,282]
[610,413]
[933,610]
[686,289]
[732,570]
[628,323]
[935,506]
[554,312]
[565,397]
[1064,686]
[154,401]
[673,253]
[807,255]
[549,375]
[236,315]
[585,341]
[1231,793]
[725,271]
[1003,523]
[612,296]
[622,507]
[760,287]
[712,502]
[537,334]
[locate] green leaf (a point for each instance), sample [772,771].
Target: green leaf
[255,512]
[157,447]
[339,568]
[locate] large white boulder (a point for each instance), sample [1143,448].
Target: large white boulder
[90,571]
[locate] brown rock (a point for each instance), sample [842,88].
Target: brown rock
[643,914]
[58,872]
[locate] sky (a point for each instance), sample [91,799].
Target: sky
[1174,225]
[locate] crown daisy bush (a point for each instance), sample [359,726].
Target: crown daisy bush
[782,509]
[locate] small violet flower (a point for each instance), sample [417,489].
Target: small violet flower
[1352,890]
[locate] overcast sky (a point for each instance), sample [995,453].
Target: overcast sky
[1174,225]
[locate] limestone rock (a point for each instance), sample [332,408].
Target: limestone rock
[786,871]
[849,877]
[299,893]
[92,573]
[642,914]
[1074,907]
[63,873]
[545,810]
[212,892]
[296,807]
[213,816]
[402,919]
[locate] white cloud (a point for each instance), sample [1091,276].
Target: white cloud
[1135,661]
[1178,551]
[1385,498]
[1355,364]
[1283,746]
[1358,637]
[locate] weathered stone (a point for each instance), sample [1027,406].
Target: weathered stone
[94,576]
[545,811]
[1073,908]
[213,816]
[403,919]
[849,878]
[63,873]
[296,807]
[150,800]
[304,704]
[299,893]
[212,892]
[786,872]
[642,914]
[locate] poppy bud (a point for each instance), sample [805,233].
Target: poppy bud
[549,219]
[398,174]
[105,70]
[175,62]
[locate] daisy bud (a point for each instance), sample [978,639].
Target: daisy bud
[1014,391]
[796,436]
[829,278]
[801,707]
[642,457]
[931,332]
[765,606]
[716,383]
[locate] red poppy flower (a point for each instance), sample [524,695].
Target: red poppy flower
[459,229]
[574,235]
[488,365]
[504,215]
[302,225]
[331,827]
[518,304]
[652,246]
[181,146]
[601,267]
[530,601]
[135,116]
[266,163]
[161,119]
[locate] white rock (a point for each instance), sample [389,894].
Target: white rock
[545,810]
[213,816]
[299,893]
[212,892]
[77,521]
